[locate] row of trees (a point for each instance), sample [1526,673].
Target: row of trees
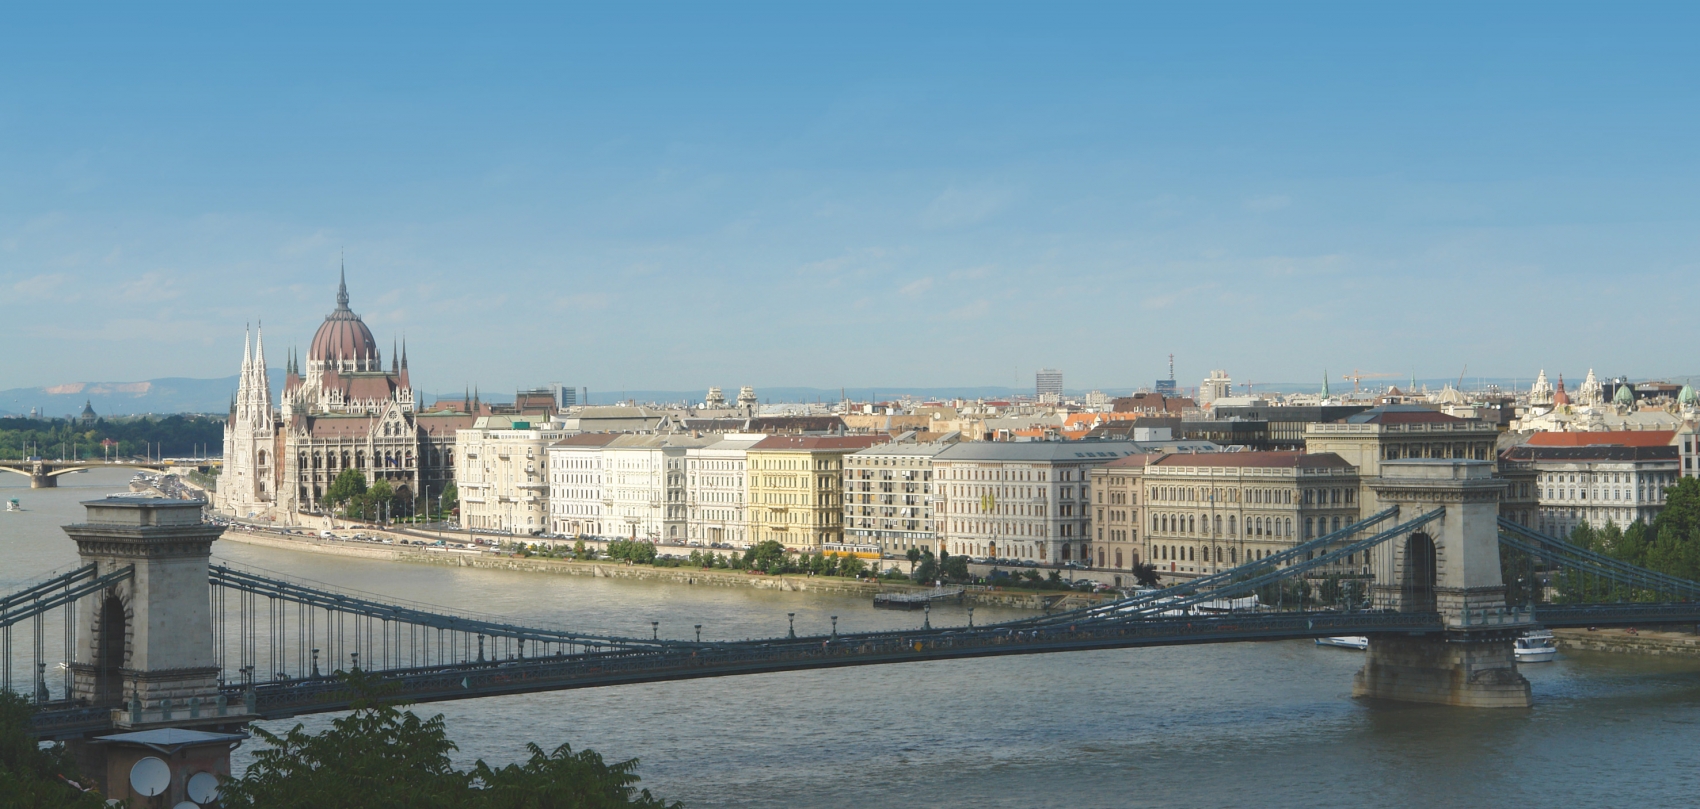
[1669,545]
[377,756]
[178,435]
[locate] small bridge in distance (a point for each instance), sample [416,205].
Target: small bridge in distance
[45,474]
[1437,581]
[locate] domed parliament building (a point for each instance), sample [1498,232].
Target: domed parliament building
[339,409]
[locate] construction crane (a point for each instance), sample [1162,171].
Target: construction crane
[1357,376]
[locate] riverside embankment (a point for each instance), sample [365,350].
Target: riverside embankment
[695,577]
[1629,641]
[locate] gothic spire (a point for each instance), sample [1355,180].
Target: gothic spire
[342,287]
[395,367]
[247,355]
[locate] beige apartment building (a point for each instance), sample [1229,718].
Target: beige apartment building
[501,470]
[1209,512]
[796,494]
[888,497]
[1115,515]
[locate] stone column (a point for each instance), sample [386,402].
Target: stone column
[1470,662]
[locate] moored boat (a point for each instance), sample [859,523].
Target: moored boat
[1535,647]
[1354,642]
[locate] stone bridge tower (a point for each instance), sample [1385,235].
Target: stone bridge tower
[147,643]
[1449,566]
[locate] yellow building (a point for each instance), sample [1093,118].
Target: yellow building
[796,488]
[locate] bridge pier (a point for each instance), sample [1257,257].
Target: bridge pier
[43,481]
[1476,670]
[1450,567]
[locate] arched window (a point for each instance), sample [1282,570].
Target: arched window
[1289,527]
[1231,525]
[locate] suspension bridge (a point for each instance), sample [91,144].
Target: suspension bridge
[153,635]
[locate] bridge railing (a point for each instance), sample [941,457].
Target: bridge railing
[280,699]
[1304,553]
[1542,571]
[269,628]
[50,607]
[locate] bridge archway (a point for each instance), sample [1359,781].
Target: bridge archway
[111,649]
[1417,582]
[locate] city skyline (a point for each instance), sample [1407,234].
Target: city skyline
[787,202]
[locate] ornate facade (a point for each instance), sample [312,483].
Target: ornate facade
[340,409]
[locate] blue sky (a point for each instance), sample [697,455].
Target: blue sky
[671,196]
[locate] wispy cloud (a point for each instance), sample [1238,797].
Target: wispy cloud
[916,288]
[1269,203]
[957,207]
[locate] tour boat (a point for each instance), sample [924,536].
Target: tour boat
[1535,647]
[12,505]
[1355,642]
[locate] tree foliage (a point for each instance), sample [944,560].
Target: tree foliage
[172,436]
[31,775]
[380,756]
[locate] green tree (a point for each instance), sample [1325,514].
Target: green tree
[765,555]
[927,570]
[913,555]
[380,756]
[954,568]
[31,775]
[1146,575]
[1675,545]
[450,499]
[349,484]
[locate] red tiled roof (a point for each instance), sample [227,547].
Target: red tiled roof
[1621,438]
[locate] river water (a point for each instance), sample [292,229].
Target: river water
[1266,724]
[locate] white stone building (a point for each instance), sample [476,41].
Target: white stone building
[716,491]
[644,486]
[1019,500]
[1596,484]
[576,506]
[502,474]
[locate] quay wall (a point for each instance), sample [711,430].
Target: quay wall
[667,575]
[1622,641]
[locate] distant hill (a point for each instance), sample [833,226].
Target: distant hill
[171,395]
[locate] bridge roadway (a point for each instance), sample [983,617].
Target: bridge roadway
[686,660]
[44,474]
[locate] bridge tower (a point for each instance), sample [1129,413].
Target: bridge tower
[148,645]
[1450,566]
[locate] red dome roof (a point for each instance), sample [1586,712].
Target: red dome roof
[343,336]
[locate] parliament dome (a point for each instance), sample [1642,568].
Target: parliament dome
[343,336]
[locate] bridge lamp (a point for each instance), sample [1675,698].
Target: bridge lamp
[793,618]
[699,633]
[835,626]
[655,630]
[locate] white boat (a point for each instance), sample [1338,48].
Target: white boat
[1535,647]
[12,505]
[1355,642]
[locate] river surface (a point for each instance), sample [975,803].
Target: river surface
[1256,724]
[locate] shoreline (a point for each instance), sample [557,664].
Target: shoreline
[1037,602]
[1655,643]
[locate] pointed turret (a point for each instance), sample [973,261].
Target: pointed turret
[403,380]
[342,287]
[1325,383]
